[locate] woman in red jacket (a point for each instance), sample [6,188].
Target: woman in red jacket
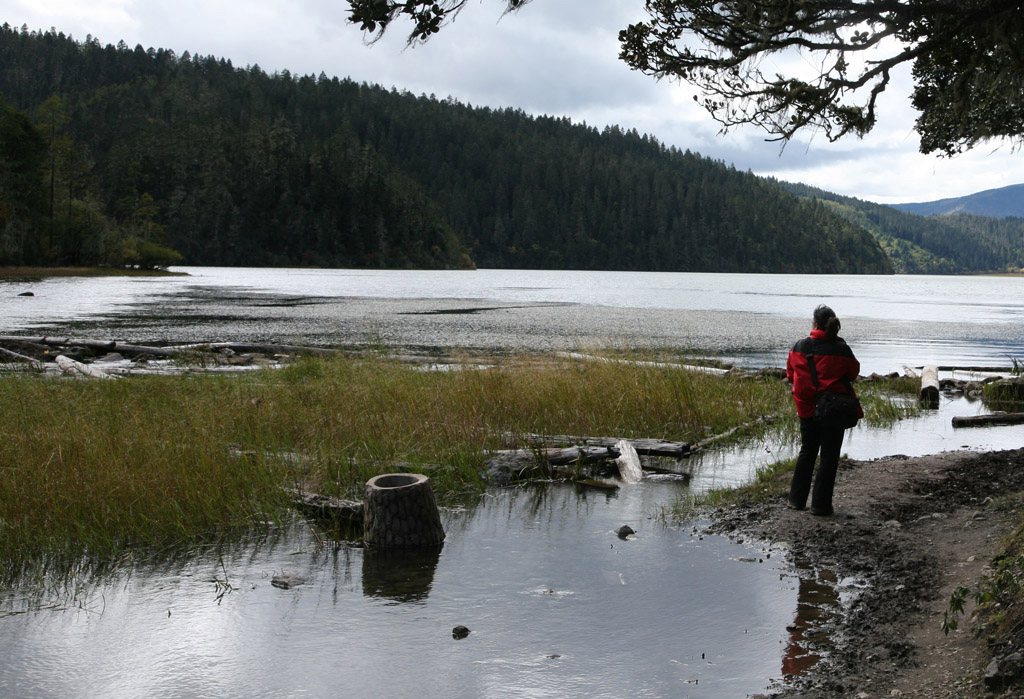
[821,362]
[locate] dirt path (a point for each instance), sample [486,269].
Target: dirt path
[906,533]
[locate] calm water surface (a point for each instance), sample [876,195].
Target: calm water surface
[557,604]
[752,319]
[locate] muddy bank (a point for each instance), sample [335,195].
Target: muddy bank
[907,532]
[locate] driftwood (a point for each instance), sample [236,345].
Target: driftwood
[99,345]
[634,362]
[930,386]
[127,348]
[70,366]
[993,419]
[730,432]
[983,369]
[258,348]
[628,462]
[644,447]
[328,507]
[6,354]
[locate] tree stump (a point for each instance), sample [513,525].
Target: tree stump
[400,512]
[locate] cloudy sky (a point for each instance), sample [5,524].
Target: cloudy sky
[555,57]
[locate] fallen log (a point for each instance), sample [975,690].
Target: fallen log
[730,432]
[101,345]
[328,507]
[644,447]
[9,355]
[259,348]
[930,387]
[993,419]
[70,366]
[688,367]
[576,455]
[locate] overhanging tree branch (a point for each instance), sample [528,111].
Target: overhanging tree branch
[966,55]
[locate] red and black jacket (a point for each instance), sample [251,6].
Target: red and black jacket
[833,360]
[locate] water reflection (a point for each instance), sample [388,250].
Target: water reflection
[399,575]
[558,605]
[817,608]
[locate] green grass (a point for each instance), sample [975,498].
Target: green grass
[105,466]
[157,462]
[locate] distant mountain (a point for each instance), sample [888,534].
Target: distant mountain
[998,203]
[951,244]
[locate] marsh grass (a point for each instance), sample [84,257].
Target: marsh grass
[770,482]
[102,467]
[158,462]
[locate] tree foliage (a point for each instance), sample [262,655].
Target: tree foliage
[232,166]
[821,65]
[944,244]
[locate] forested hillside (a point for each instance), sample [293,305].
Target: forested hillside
[948,244]
[237,167]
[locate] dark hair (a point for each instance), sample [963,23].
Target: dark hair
[825,318]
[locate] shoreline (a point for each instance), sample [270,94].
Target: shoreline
[43,272]
[906,533]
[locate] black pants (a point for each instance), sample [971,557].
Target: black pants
[814,438]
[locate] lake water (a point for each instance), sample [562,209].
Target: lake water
[890,321]
[557,604]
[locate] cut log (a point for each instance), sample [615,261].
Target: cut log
[70,366]
[628,462]
[400,512]
[930,387]
[993,419]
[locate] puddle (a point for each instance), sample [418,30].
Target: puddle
[818,610]
[556,604]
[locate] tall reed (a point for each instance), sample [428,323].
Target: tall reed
[157,461]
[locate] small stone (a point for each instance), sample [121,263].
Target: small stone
[460,632]
[26,293]
[892,524]
[286,581]
[624,531]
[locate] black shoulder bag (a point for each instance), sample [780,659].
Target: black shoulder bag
[831,409]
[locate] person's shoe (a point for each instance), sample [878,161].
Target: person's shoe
[791,506]
[821,511]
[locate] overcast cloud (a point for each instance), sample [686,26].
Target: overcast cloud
[555,57]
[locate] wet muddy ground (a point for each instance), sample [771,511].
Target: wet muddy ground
[907,531]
